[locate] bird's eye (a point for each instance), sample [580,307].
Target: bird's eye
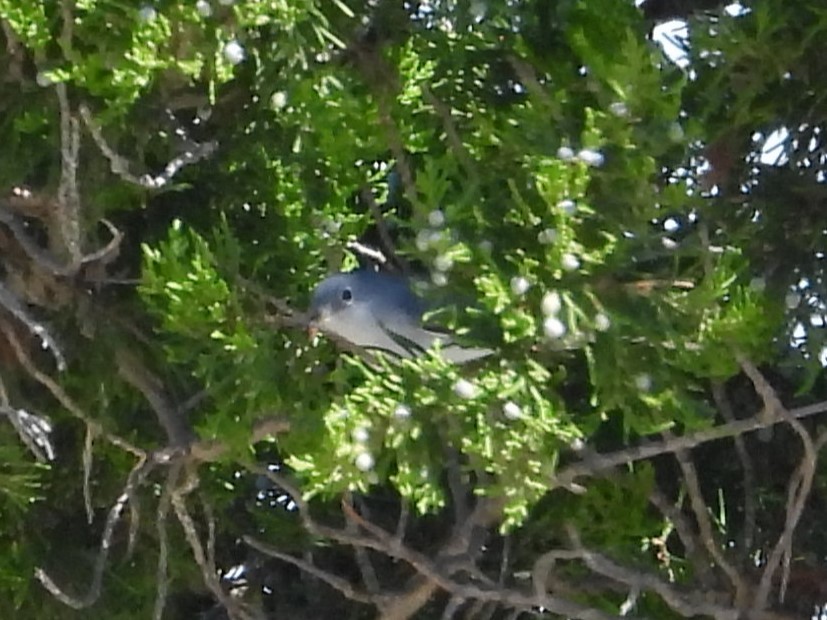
[347,295]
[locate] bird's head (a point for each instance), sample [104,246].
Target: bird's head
[332,300]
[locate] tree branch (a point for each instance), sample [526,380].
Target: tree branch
[596,463]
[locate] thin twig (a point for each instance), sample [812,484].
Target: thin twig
[43,258]
[68,216]
[369,577]
[120,166]
[451,608]
[161,572]
[34,430]
[601,462]
[402,522]
[287,316]
[381,226]
[138,473]
[799,486]
[682,526]
[686,604]
[151,387]
[372,254]
[208,573]
[398,149]
[88,445]
[208,451]
[700,509]
[61,396]
[725,407]
[344,587]
[10,302]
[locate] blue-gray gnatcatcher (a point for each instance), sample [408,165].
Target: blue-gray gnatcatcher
[377,310]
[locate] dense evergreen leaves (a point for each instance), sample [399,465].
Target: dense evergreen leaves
[637,235]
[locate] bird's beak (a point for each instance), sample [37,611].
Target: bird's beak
[313,324]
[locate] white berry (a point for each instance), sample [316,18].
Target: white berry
[443,263]
[618,108]
[670,225]
[234,52]
[436,218]
[565,153]
[643,382]
[360,434]
[520,285]
[554,328]
[147,13]
[570,262]
[465,389]
[512,410]
[364,462]
[203,7]
[278,100]
[547,236]
[590,157]
[567,206]
[552,303]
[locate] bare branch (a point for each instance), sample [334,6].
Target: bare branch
[369,577]
[193,153]
[264,428]
[287,316]
[139,377]
[504,562]
[61,396]
[684,529]
[344,587]
[528,76]
[161,572]
[33,430]
[688,604]
[43,259]
[107,252]
[88,444]
[402,523]
[459,491]
[138,473]
[381,226]
[10,302]
[398,149]
[799,486]
[68,216]
[435,576]
[451,608]
[725,407]
[368,252]
[700,509]
[600,462]
[208,572]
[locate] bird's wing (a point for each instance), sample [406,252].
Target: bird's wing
[409,336]
[416,340]
[359,326]
[459,354]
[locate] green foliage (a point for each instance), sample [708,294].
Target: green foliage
[20,478]
[553,139]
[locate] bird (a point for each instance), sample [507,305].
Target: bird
[376,310]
